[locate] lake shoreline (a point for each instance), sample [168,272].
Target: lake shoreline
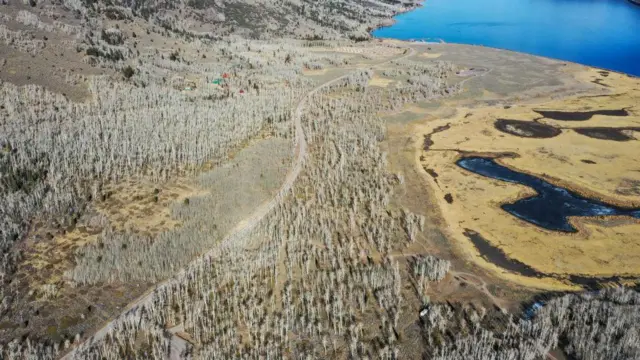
[565,62]
[392,20]
[609,42]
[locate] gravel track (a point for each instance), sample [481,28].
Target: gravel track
[244,227]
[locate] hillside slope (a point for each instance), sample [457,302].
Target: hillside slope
[254,18]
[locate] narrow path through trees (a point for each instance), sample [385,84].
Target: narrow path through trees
[244,227]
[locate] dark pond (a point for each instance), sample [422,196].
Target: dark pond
[529,129]
[551,206]
[580,115]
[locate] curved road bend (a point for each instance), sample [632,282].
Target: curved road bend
[248,224]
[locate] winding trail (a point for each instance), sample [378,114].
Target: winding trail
[244,227]
[480,285]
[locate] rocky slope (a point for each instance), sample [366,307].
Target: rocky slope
[252,18]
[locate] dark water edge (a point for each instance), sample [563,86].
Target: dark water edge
[580,115]
[552,206]
[497,257]
[548,209]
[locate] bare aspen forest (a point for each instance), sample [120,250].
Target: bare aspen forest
[212,179]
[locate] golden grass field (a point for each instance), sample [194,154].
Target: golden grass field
[131,207]
[598,168]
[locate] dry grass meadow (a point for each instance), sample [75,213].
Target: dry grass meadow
[594,166]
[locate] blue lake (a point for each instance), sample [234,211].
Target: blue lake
[601,33]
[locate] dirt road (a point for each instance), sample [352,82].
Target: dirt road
[244,227]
